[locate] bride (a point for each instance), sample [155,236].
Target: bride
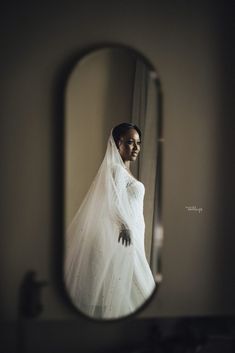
[106,271]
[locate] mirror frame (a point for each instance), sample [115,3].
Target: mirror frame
[59,190]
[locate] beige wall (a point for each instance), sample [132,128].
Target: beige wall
[189,46]
[98,97]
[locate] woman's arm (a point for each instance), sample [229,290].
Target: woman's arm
[122,199]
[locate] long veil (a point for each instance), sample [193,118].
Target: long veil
[99,269]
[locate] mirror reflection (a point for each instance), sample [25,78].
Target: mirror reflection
[111,123]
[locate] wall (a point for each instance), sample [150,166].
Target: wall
[90,93]
[190,48]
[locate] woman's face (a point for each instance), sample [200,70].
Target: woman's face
[129,145]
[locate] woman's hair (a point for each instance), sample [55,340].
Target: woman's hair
[121,129]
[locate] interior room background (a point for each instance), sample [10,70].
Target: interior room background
[189,45]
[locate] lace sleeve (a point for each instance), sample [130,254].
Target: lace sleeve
[121,201]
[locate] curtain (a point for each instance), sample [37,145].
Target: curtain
[144,115]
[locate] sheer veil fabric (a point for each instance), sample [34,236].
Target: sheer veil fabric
[104,278]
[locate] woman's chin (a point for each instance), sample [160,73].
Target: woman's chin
[133,157]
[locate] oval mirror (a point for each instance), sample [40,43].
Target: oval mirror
[113,232]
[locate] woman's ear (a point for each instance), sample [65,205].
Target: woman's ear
[119,143]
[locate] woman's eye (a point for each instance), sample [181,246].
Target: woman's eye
[130,142]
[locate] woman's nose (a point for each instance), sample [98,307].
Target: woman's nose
[136,146]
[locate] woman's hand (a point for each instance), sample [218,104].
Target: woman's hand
[124,237]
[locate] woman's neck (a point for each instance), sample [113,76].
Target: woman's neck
[127,164]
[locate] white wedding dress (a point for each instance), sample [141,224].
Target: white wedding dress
[104,278]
